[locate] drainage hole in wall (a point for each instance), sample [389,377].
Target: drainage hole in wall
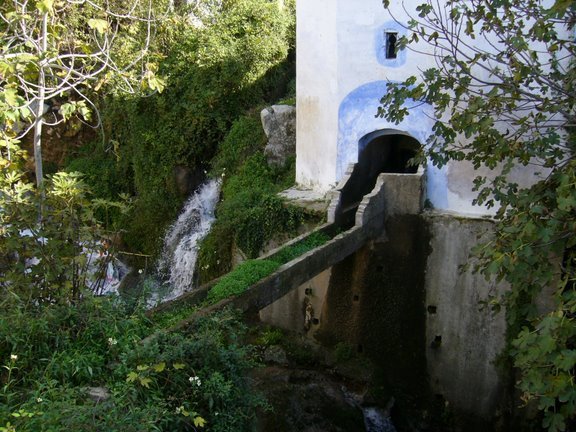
[315,321]
[356,297]
[308,291]
[432,309]
[436,342]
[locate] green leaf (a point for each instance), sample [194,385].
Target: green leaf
[45,6]
[199,421]
[159,367]
[67,110]
[554,422]
[145,382]
[567,360]
[132,376]
[100,25]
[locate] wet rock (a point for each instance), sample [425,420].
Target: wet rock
[275,354]
[306,400]
[187,179]
[377,420]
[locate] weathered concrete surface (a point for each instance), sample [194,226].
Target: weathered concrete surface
[289,312]
[404,193]
[375,304]
[399,194]
[308,199]
[404,301]
[462,340]
[300,270]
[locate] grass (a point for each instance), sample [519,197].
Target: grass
[251,271]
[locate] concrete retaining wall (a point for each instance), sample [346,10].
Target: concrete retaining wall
[463,340]
[405,302]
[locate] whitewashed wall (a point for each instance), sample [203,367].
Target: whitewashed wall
[341,76]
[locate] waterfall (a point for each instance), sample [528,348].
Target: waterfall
[180,251]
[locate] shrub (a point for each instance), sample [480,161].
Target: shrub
[174,382]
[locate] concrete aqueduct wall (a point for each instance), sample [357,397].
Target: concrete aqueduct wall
[403,301]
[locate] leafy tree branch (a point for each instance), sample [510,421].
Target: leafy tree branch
[503,94]
[54,56]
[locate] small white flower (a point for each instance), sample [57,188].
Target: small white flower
[112,341]
[140,271]
[13,357]
[195,380]
[179,409]
[39,400]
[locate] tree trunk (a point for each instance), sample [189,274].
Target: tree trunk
[40,108]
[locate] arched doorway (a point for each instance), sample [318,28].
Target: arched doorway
[382,151]
[387,151]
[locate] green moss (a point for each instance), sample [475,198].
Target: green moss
[291,252]
[240,279]
[252,271]
[245,138]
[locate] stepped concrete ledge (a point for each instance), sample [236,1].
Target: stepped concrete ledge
[306,198]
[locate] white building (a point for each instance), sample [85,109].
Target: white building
[342,70]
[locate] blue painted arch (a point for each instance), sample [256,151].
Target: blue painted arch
[357,120]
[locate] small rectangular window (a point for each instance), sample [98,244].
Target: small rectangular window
[391,41]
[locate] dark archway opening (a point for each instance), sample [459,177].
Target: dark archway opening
[387,152]
[383,151]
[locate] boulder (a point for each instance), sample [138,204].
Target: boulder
[279,124]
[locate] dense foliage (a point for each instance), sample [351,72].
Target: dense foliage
[55,55]
[499,105]
[50,259]
[56,356]
[236,58]
[58,343]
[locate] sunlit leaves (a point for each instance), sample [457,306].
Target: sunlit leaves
[100,25]
[199,421]
[68,109]
[54,52]
[45,6]
[504,103]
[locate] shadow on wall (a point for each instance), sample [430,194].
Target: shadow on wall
[375,303]
[383,151]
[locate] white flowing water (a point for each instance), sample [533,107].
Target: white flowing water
[182,241]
